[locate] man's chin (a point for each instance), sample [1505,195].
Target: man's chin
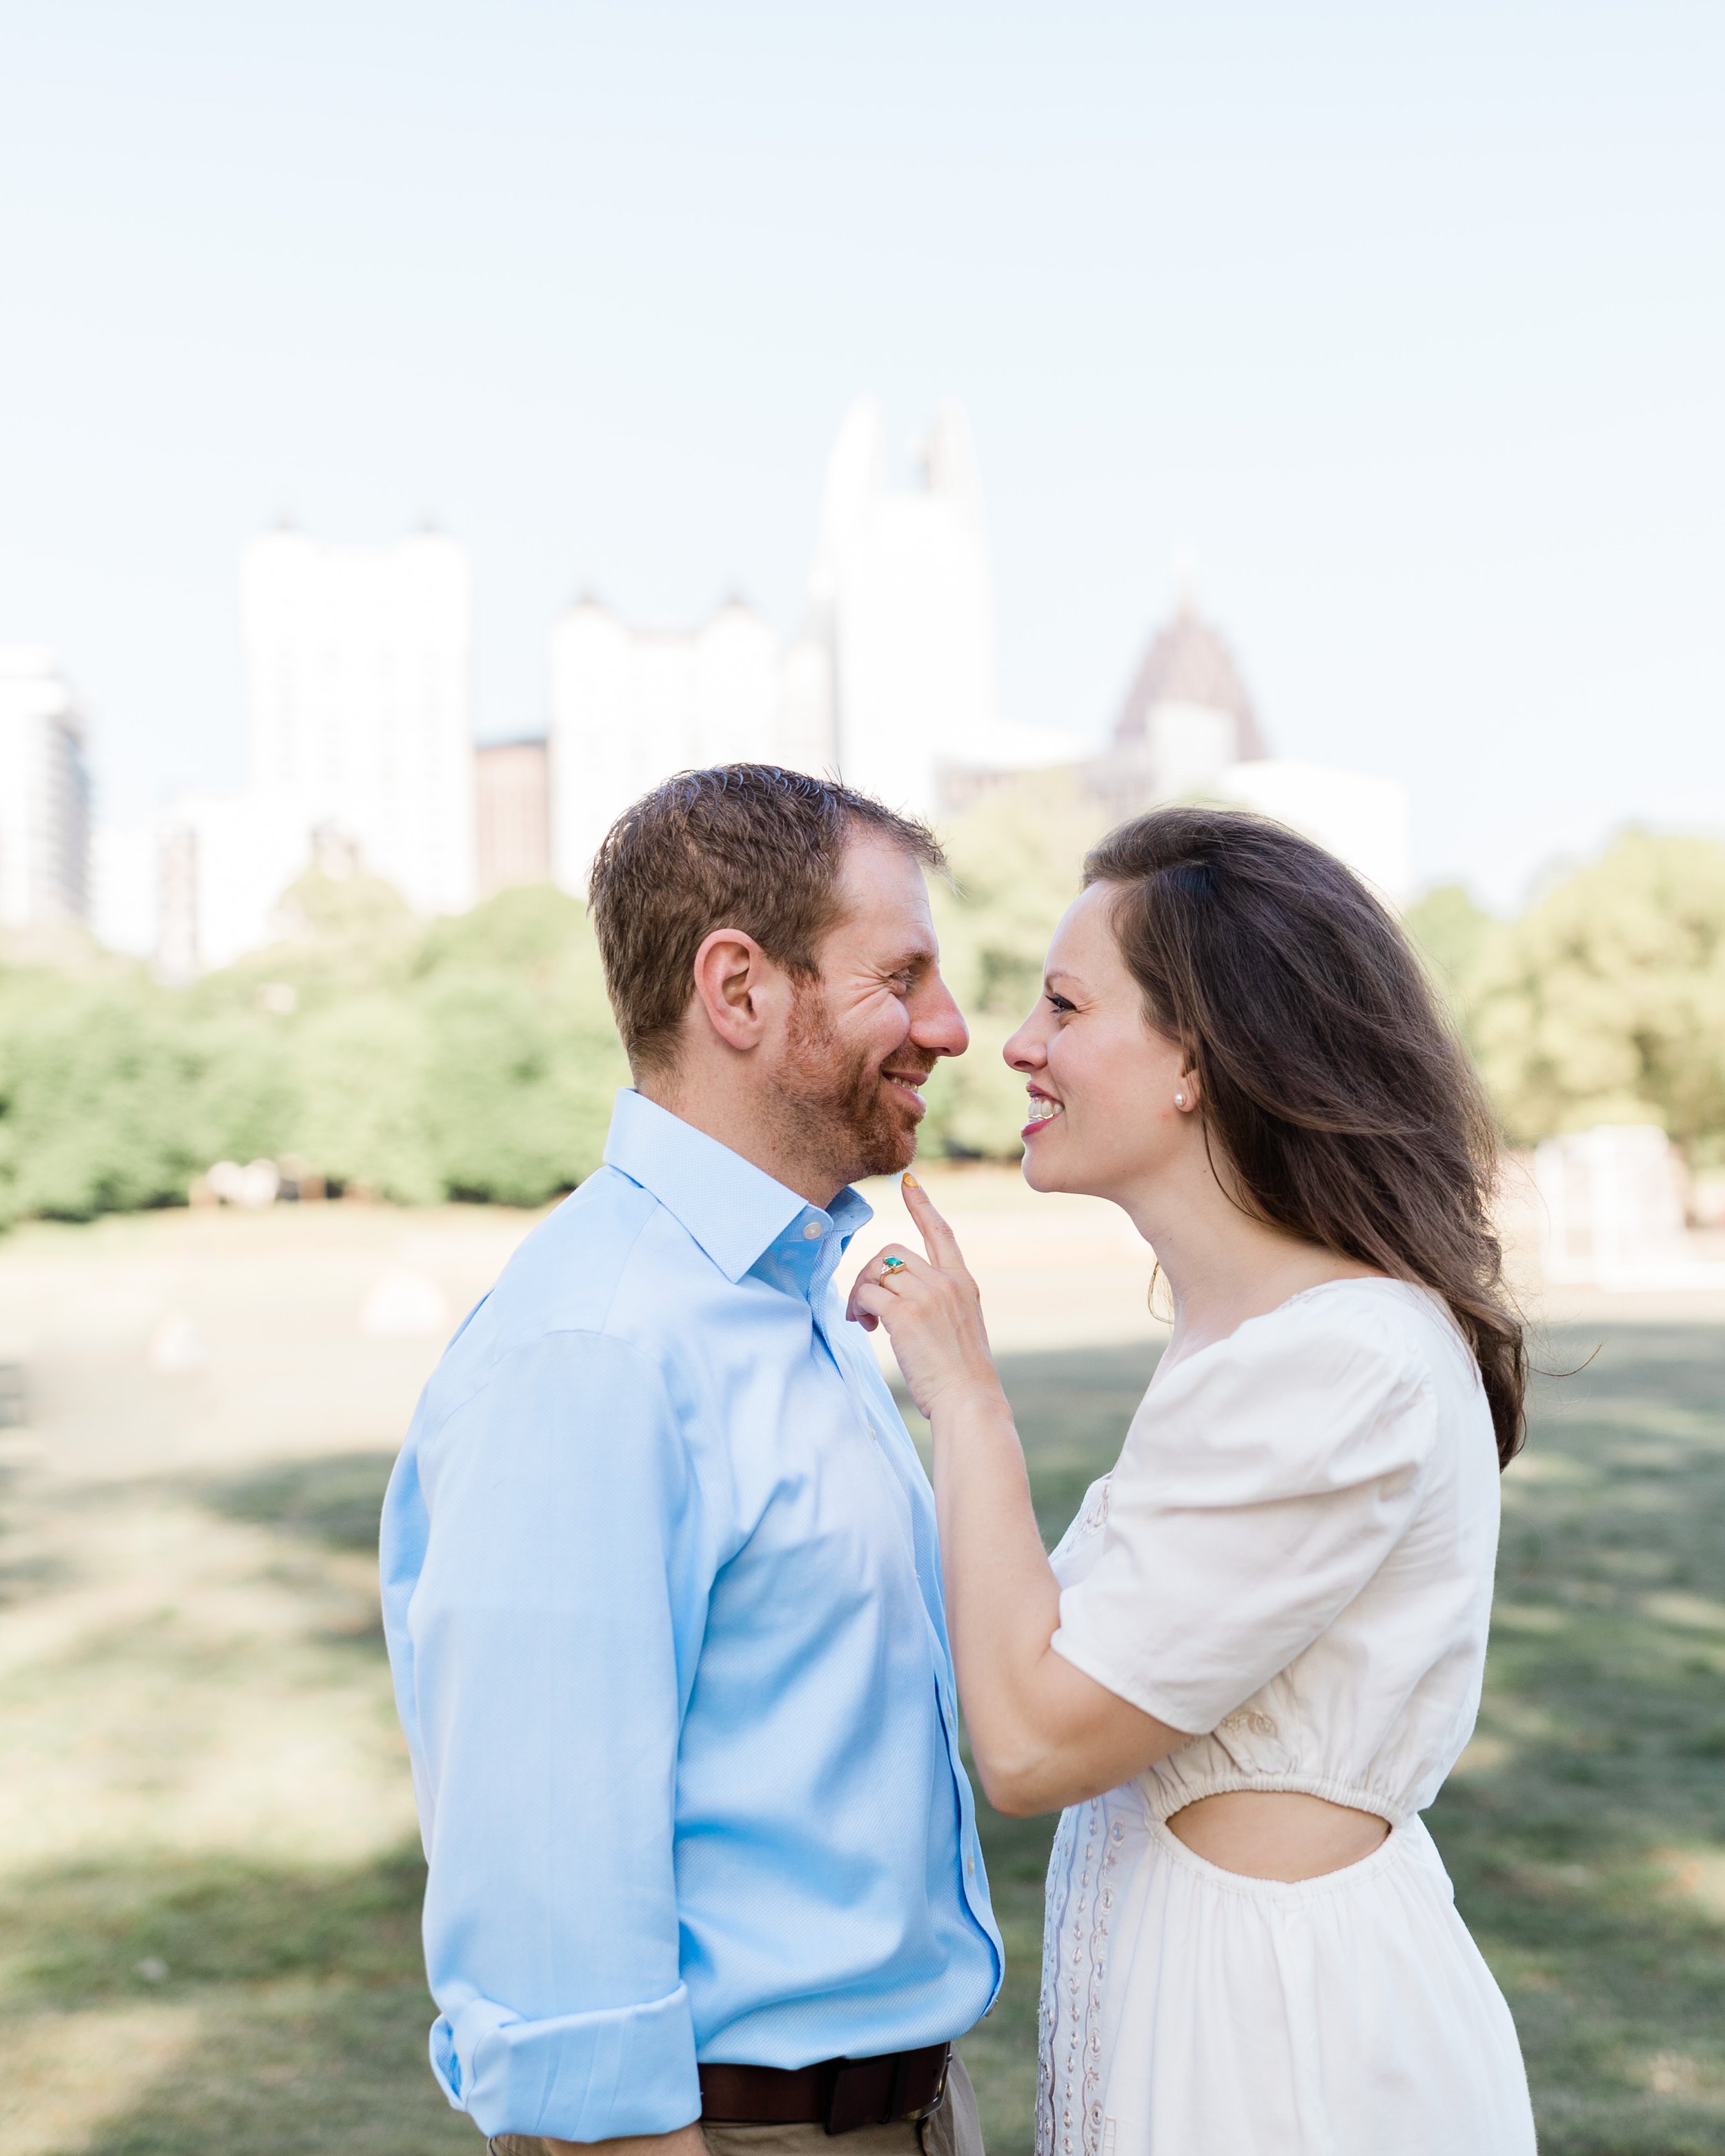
[891,1145]
[893,1160]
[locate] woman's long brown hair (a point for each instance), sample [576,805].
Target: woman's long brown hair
[1329,1080]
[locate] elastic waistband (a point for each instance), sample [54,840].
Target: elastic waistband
[1163,1797]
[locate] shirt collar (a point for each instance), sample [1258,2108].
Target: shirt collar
[733,1209]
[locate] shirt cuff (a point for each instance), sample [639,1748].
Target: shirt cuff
[578,2078]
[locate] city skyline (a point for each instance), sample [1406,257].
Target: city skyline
[361,752]
[1408,327]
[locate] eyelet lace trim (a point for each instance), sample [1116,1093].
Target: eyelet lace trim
[1069,2119]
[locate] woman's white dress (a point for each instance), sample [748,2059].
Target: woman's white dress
[1293,1554]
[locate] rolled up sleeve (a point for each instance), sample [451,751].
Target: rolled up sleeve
[550,1638]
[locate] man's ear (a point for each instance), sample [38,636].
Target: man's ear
[735,985]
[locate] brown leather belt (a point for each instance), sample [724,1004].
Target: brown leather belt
[840,2094]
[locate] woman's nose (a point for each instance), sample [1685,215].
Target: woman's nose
[1025,1051]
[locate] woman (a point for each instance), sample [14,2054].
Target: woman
[1257,1652]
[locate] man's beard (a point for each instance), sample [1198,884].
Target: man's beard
[836,1100]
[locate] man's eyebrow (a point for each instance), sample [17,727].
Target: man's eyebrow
[909,961]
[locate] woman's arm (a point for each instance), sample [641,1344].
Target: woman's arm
[1042,1733]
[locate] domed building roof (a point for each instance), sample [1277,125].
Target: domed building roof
[1188,662]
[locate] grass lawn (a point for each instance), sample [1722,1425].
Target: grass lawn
[209,1894]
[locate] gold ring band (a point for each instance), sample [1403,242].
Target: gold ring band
[891,1265]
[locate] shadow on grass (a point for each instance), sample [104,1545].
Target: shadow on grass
[333,1499]
[1588,1848]
[25,1570]
[302,1990]
[80,1934]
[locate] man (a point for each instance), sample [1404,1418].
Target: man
[661,1583]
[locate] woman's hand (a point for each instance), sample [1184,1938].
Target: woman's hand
[930,1306]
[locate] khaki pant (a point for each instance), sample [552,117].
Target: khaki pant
[953,2131]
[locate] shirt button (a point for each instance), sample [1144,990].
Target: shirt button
[811,1229]
[970,1863]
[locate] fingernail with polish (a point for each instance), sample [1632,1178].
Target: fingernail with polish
[909,1181]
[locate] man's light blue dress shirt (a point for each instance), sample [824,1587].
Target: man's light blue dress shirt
[662,1593]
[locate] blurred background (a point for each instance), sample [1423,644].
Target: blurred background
[421,430]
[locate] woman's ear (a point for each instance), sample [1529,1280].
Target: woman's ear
[1187,1091]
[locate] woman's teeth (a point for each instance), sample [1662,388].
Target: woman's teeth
[1044,1110]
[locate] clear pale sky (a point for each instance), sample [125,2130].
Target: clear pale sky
[1406,323]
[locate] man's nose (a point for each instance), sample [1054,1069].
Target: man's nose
[937,1022]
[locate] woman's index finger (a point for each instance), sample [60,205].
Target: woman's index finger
[941,1240]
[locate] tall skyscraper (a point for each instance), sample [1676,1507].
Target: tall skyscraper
[359,701]
[359,732]
[630,706]
[45,795]
[900,618]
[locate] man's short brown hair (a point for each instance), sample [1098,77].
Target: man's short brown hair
[745,846]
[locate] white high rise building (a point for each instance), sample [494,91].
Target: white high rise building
[126,886]
[45,795]
[359,723]
[901,615]
[224,860]
[359,701]
[630,706]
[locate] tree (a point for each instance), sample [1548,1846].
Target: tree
[1605,1002]
[1450,930]
[522,1055]
[473,1057]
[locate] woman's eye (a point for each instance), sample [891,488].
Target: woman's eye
[1060,1003]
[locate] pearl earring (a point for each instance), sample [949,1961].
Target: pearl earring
[1179,1100]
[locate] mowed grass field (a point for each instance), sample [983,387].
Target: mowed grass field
[209,1882]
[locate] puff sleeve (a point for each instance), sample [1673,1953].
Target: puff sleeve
[1261,1487]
